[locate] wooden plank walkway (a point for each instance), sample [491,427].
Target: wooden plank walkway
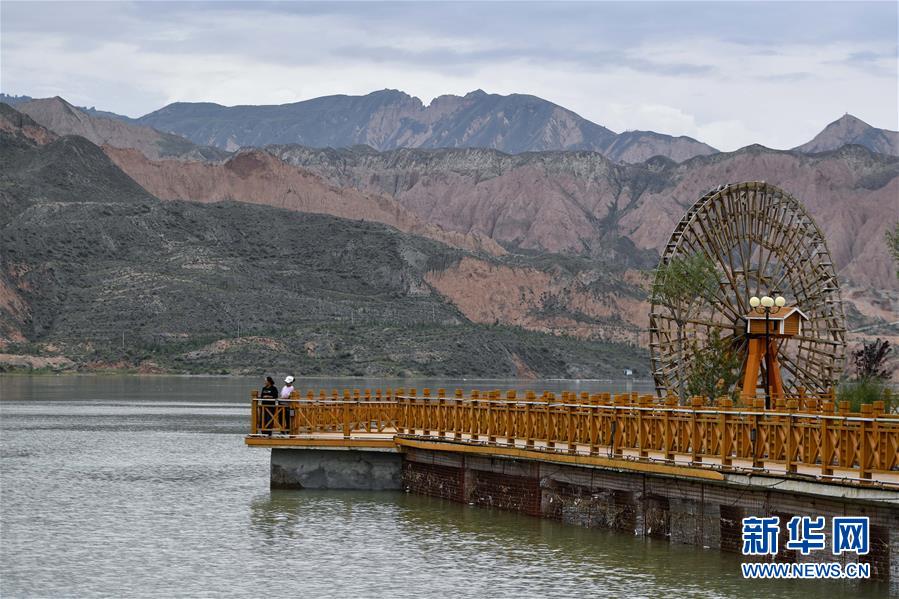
[820,441]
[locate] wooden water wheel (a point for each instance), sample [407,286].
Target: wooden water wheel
[762,242]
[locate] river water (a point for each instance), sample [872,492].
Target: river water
[141,486]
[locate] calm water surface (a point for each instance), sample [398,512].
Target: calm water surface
[142,486]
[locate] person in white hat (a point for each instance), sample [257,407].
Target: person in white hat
[287,389]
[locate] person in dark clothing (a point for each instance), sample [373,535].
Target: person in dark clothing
[269,391]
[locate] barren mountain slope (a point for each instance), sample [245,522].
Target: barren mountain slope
[86,254]
[62,118]
[577,201]
[260,178]
[852,194]
[851,130]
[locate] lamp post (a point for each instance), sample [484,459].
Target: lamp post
[768,306]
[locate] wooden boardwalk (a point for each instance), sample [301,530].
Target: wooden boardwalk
[802,438]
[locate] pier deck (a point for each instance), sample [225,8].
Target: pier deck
[803,438]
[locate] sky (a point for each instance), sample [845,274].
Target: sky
[727,73]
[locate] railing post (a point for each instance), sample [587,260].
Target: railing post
[667,434]
[844,441]
[474,415]
[458,402]
[726,434]
[864,443]
[254,415]
[346,418]
[792,448]
[491,436]
[618,423]
[530,397]
[695,431]
[642,420]
[570,412]
[548,420]
[426,413]
[826,446]
[755,432]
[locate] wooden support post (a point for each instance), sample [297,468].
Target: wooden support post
[695,431]
[773,364]
[753,363]
[529,422]
[864,442]
[457,415]
[792,447]
[570,437]
[826,447]
[491,429]
[402,410]
[643,420]
[726,435]
[346,419]
[668,433]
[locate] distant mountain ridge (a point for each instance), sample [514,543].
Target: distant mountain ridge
[391,119]
[852,130]
[63,118]
[15,101]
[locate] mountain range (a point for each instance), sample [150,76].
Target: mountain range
[547,242]
[87,255]
[391,119]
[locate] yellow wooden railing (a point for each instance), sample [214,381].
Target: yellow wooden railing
[797,435]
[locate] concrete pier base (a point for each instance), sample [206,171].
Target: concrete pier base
[697,512]
[705,511]
[336,468]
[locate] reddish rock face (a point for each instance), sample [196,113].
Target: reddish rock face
[549,302]
[571,202]
[260,178]
[18,124]
[484,291]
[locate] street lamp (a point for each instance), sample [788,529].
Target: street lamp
[767,305]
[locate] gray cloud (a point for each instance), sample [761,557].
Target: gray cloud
[670,66]
[787,77]
[596,60]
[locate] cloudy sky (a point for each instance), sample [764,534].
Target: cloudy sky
[727,73]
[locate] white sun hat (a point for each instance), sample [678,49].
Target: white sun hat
[288,380]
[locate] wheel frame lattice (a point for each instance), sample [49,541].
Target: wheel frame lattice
[733,224]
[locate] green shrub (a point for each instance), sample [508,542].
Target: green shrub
[867,390]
